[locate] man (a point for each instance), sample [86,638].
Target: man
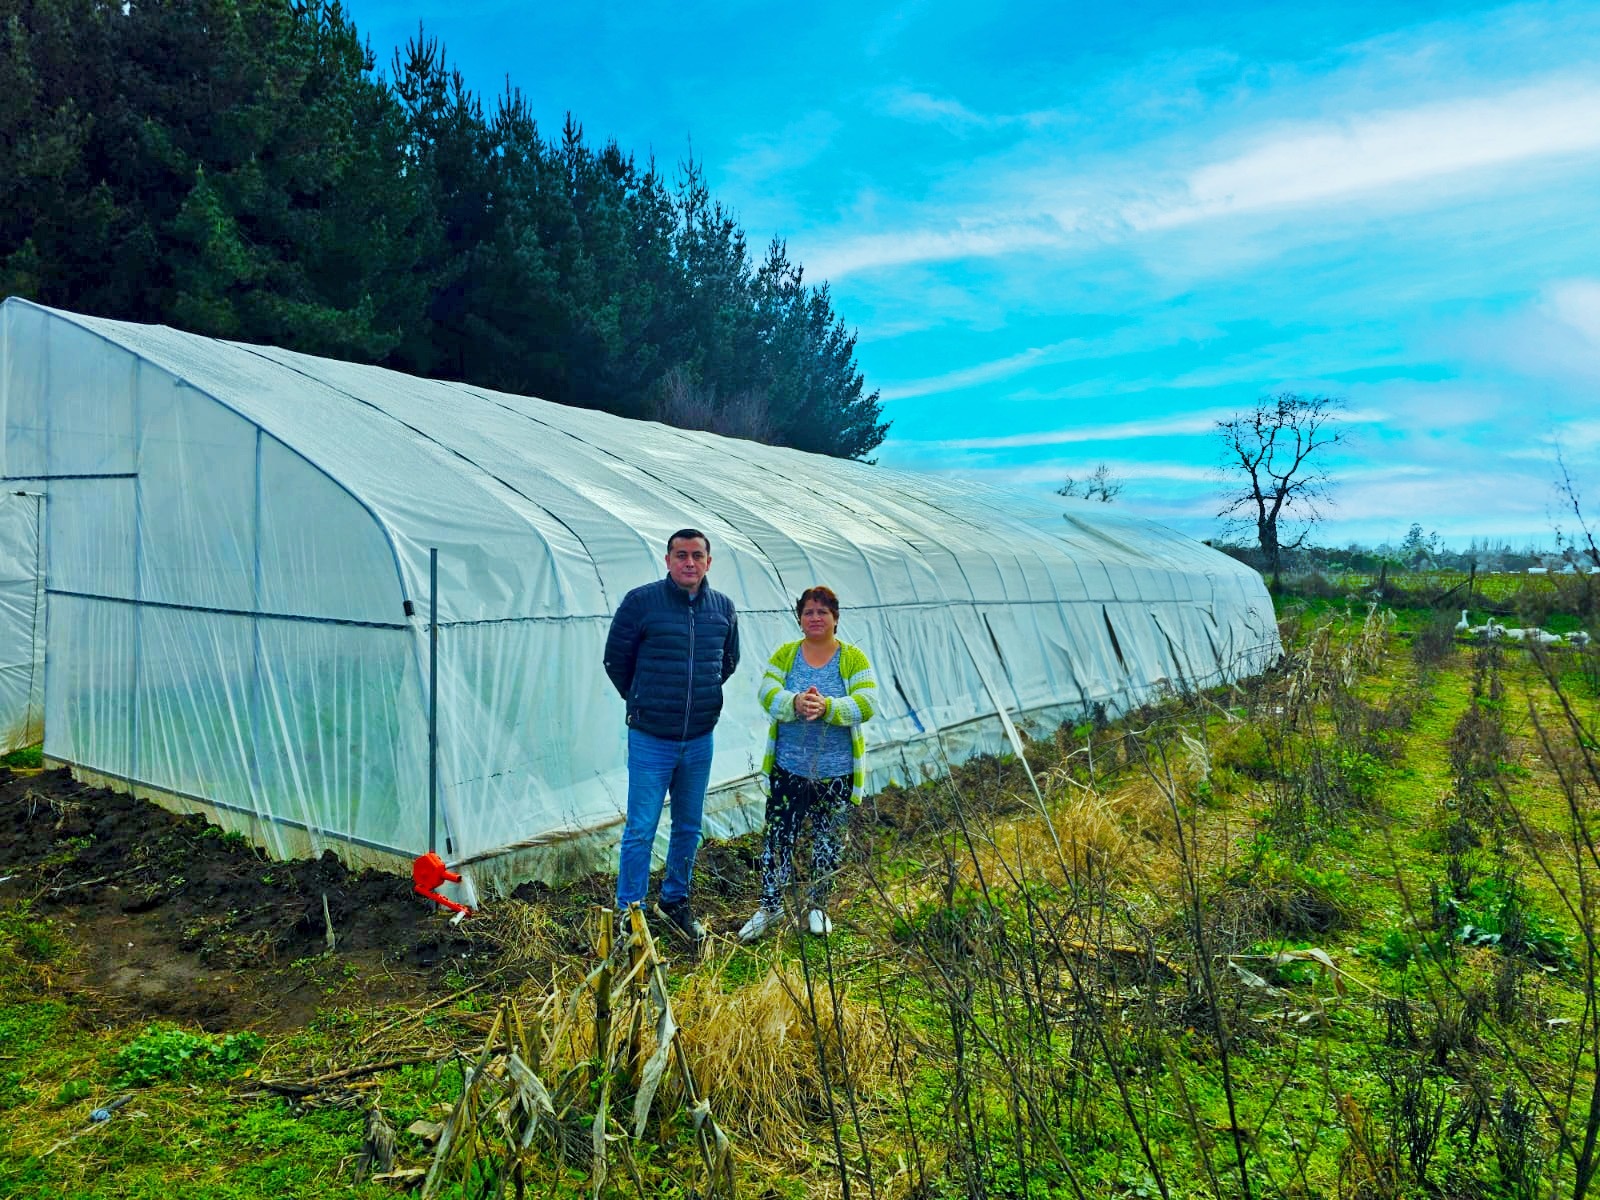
[672,646]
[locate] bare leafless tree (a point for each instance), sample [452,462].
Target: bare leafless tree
[1272,446]
[1101,485]
[1580,543]
[683,402]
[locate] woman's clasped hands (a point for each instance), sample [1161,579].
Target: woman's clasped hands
[810,704]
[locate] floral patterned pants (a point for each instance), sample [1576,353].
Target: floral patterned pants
[793,798]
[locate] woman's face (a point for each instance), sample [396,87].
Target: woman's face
[817,620]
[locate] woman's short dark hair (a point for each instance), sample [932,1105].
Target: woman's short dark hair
[821,595]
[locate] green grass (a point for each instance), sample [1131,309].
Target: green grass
[1317,1057]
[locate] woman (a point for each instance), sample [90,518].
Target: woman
[817,691]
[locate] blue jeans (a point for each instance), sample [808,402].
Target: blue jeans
[656,767]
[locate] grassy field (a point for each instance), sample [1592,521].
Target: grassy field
[1328,934]
[1556,602]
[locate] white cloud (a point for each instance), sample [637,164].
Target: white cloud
[1406,157]
[763,158]
[1579,436]
[1320,163]
[1145,480]
[1555,339]
[1174,426]
[973,236]
[1003,368]
[920,106]
[1521,498]
[954,115]
[1576,304]
[1180,425]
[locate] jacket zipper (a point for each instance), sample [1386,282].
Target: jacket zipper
[688,695]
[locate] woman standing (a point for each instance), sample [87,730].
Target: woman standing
[817,691]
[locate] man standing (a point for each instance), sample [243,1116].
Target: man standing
[672,646]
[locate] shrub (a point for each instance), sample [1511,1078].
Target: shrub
[1435,641]
[1246,753]
[1294,898]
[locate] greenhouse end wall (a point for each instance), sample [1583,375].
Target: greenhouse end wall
[215,605]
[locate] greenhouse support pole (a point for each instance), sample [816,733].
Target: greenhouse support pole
[429,871]
[433,699]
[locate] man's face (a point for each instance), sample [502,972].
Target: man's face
[688,560]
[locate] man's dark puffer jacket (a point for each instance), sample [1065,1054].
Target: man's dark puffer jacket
[656,635]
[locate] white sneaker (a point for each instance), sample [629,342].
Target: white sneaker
[760,924]
[818,923]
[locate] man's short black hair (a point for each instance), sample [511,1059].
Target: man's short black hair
[686,534]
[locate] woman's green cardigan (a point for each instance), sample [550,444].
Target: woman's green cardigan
[851,709]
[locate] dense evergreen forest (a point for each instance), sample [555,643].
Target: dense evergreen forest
[238,168]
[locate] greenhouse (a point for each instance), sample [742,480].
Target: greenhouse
[335,607]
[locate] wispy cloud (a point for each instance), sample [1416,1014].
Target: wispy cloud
[1552,340]
[764,157]
[1407,156]
[1576,304]
[1400,148]
[968,236]
[989,372]
[1052,474]
[1185,424]
[920,106]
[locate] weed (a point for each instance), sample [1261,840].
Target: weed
[72,1091]
[28,758]
[1498,911]
[1435,642]
[1295,898]
[31,939]
[1247,753]
[176,1054]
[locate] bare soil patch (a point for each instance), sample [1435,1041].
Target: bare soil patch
[174,920]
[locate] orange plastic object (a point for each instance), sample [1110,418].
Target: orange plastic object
[427,873]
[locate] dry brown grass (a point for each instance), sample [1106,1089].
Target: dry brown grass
[519,935]
[756,1048]
[1096,833]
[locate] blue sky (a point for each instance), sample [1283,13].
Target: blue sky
[1072,234]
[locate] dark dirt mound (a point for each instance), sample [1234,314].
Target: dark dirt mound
[181,921]
[175,919]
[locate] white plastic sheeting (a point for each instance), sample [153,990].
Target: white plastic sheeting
[237,560]
[21,621]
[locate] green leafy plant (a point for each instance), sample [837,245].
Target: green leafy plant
[28,758]
[171,1054]
[1297,896]
[1498,911]
[72,1091]
[1395,950]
